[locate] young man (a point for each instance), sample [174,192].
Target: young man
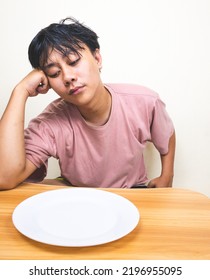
[97,131]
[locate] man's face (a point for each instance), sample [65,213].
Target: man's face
[74,78]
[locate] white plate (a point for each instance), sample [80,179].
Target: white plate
[75,217]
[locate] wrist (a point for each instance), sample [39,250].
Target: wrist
[19,92]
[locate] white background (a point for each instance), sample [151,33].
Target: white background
[162,44]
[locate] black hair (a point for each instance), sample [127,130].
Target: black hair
[63,37]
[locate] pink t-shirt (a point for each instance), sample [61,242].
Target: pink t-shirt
[100,156]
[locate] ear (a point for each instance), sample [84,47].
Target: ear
[98,58]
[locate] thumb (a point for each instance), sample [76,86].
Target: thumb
[151,184]
[43,88]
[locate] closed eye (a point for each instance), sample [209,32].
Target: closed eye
[73,63]
[55,75]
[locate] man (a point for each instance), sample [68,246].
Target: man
[97,131]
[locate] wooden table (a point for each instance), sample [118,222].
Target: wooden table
[174,224]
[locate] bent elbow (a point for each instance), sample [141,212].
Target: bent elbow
[7,184]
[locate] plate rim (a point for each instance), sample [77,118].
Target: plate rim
[23,204]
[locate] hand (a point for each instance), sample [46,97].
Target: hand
[34,83]
[161,182]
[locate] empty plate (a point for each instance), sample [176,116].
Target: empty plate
[75,217]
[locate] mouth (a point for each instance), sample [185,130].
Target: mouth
[76,90]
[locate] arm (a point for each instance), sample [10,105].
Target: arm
[14,167]
[167,162]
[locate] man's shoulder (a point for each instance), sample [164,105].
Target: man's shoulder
[131,90]
[58,105]
[55,112]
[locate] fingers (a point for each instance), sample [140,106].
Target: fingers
[42,84]
[151,184]
[160,182]
[36,83]
[43,88]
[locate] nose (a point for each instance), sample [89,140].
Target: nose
[69,76]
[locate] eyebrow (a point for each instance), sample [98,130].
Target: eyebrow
[47,66]
[54,64]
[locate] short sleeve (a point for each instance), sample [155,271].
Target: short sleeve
[162,127]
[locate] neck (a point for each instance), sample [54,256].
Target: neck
[99,111]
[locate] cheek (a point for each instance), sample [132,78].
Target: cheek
[89,68]
[57,86]
[93,72]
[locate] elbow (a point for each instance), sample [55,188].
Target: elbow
[10,179]
[7,184]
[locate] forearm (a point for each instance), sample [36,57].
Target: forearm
[167,160]
[12,150]
[14,167]
[167,171]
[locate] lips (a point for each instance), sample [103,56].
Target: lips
[75,90]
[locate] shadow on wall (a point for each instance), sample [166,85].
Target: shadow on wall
[53,169]
[152,161]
